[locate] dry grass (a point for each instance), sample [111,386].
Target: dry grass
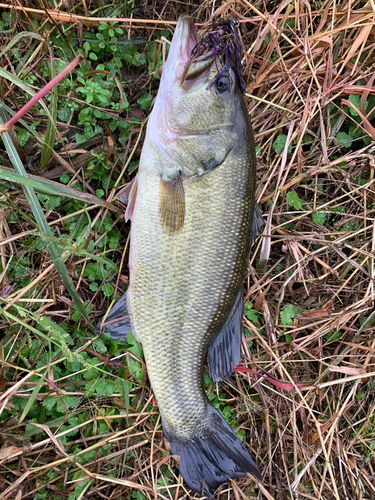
[303,60]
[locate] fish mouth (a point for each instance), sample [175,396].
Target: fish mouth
[188,37]
[184,40]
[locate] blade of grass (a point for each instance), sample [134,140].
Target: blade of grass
[51,125]
[17,38]
[43,226]
[32,398]
[54,188]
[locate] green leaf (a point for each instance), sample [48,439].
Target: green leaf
[108,289]
[99,346]
[49,402]
[355,132]
[92,373]
[64,114]
[319,217]
[288,313]
[344,139]
[294,200]
[135,366]
[23,136]
[50,202]
[361,395]
[334,335]
[280,143]
[135,348]
[249,312]
[145,100]
[356,100]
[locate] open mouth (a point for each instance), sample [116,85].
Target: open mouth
[220,43]
[186,33]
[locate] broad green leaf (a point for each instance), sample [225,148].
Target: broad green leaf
[356,100]
[99,346]
[344,139]
[23,136]
[294,200]
[280,143]
[250,313]
[108,289]
[49,201]
[135,348]
[145,100]
[135,366]
[319,217]
[288,313]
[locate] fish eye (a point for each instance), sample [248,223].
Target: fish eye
[222,84]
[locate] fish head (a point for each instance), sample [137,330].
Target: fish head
[199,114]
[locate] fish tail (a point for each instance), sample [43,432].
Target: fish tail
[213,456]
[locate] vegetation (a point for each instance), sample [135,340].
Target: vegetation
[77,416]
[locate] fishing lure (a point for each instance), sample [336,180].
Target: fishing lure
[223,41]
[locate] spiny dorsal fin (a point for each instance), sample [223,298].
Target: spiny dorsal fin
[172,204]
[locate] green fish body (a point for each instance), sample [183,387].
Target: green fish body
[192,207]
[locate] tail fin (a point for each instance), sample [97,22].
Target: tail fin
[213,457]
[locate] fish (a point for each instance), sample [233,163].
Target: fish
[194,217]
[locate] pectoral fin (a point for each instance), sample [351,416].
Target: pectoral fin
[172,204]
[225,352]
[128,194]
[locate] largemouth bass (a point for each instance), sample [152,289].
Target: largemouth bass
[192,210]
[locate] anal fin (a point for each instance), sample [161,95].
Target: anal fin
[118,321]
[225,351]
